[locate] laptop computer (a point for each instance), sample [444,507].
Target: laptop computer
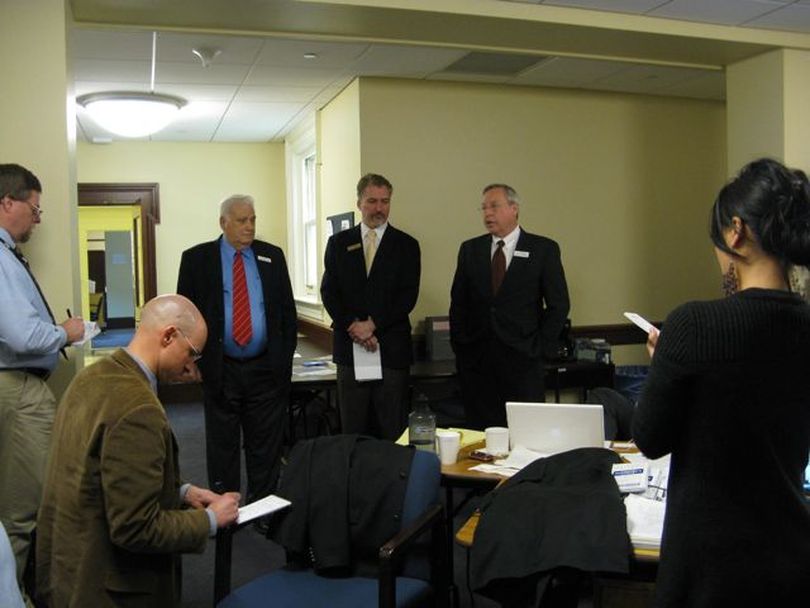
[550,428]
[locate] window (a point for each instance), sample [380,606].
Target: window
[302,214]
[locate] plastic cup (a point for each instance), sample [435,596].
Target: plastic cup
[497,438]
[448,443]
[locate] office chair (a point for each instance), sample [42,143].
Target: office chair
[410,573]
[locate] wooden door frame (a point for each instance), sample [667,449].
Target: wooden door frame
[147,197]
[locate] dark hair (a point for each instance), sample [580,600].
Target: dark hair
[17,182]
[774,202]
[372,179]
[508,190]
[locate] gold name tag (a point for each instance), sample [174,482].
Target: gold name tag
[353,247]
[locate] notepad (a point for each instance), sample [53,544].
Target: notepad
[262,507]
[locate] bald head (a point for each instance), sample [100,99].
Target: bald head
[170,309]
[170,337]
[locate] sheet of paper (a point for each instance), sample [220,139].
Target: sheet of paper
[91,330]
[262,507]
[645,520]
[367,365]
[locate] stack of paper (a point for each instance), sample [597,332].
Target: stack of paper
[645,521]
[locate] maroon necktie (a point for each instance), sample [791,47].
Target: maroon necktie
[498,268]
[242,325]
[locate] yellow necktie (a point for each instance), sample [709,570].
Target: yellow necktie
[371,249]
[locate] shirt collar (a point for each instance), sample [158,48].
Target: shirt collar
[229,249]
[380,230]
[150,375]
[6,237]
[510,240]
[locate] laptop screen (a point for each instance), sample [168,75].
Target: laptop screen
[549,428]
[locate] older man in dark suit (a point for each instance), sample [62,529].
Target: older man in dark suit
[370,285]
[242,287]
[509,302]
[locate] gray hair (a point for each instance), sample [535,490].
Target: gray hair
[226,205]
[511,194]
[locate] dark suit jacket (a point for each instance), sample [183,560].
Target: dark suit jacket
[111,524]
[530,309]
[387,295]
[200,280]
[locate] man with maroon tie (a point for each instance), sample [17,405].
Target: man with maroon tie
[242,287]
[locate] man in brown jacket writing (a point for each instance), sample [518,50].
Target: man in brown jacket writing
[115,515]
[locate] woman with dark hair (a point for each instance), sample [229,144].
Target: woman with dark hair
[728,394]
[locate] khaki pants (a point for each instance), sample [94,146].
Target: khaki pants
[27,408]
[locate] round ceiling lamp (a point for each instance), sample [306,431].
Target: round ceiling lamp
[131,114]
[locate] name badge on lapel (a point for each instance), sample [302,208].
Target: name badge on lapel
[521,254]
[353,247]
[265,259]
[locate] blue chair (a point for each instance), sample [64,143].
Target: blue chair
[410,571]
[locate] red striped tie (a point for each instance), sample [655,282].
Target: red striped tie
[242,326]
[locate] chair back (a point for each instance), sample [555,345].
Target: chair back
[421,493]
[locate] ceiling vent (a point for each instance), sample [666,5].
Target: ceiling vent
[493,64]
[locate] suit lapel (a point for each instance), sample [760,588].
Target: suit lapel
[213,269]
[483,261]
[383,251]
[355,257]
[518,264]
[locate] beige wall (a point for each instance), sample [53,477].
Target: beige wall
[624,183]
[338,144]
[194,178]
[38,131]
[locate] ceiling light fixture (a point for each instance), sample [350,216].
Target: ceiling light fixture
[131,113]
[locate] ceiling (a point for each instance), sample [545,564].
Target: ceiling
[264,81]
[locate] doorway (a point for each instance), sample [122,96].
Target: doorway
[117,246]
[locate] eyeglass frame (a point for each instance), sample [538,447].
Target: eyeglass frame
[196,355]
[35,209]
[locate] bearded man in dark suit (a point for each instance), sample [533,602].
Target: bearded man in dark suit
[242,287]
[370,286]
[509,302]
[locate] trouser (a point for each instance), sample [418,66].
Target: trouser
[378,407]
[27,409]
[252,405]
[498,375]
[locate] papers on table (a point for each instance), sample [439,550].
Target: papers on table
[367,364]
[91,330]
[262,507]
[468,436]
[645,521]
[518,458]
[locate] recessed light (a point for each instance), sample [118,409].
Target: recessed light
[310,55]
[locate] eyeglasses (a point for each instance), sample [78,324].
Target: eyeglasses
[490,207]
[35,209]
[195,354]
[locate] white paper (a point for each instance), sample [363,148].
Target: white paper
[91,330]
[645,521]
[367,365]
[262,507]
[640,321]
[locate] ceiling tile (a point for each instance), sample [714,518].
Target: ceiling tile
[404,61]
[727,12]
[620,6]
[264,75]
[255,121]
[236,50]
[290,53]
[108,44]
[568,71]
[795,18]
[646,78]
[112,70]
[200,92]
[277,93]
[190,73]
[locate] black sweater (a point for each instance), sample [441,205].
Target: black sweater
[729,395]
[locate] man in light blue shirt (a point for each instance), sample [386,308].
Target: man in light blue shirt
[30,341]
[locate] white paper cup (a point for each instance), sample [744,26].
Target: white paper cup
[447,443]
[497,438]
